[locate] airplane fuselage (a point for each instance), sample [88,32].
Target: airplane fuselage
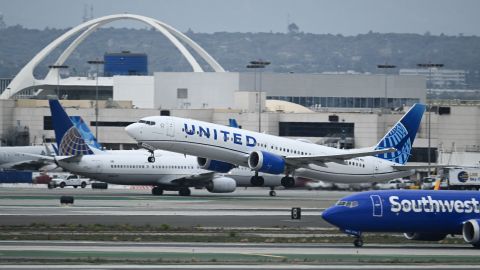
[421,211]
[134,169]
[234,145]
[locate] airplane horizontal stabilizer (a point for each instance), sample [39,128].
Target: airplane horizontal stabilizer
[76,158]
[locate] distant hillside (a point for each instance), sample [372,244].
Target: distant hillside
[299,52]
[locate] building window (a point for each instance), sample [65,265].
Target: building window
[182,93]
[420,154]
[312,129]
[110,124]
[47,123]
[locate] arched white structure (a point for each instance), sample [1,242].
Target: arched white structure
[25,78]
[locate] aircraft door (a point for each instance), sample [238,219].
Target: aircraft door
[377,205]
[376,166]
[170,129]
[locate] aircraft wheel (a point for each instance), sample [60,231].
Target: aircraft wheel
[184,192]
[151,159]
[257,181]
[273,193]
[288,182]
[358,242]
[157,191]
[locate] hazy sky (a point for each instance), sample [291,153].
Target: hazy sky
[347,17]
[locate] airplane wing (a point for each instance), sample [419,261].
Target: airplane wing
[189,180]
[26,165]
[417,167]
[36,157]
[338,158]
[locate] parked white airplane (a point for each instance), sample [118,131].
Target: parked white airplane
[217,144]
[20,157]
[170,171]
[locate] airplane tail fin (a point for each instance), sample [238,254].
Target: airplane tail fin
[232,122]
[69,140]
[86,133]
[402,135]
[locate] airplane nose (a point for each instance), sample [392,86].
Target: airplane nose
[330,215]
[132,130]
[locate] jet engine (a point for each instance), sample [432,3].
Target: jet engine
[471,232]
[222,185]
[425,236]
[266,162]
[214,165]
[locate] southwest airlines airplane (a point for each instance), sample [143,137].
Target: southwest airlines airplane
[80,153]
[419,214]
[221,148]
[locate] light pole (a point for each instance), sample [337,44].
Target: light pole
[258,64]
[58,68]
[97,63]
[429,118]
[385,67]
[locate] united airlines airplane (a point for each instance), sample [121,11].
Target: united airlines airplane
[80,153]
[419,214]
[220,147]
[32,157]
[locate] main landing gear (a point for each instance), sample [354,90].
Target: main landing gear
[157,191]
[184,192]
[288,181]
[257,181]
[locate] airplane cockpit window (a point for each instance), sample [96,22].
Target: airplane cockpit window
[349,204]
[150,123]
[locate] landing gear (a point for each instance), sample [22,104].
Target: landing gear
[257,181]
[288,181]
[358,242]
[184,192]
[157,191]
[151,158]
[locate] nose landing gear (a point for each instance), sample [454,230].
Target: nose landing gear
[358,241]
[151,158]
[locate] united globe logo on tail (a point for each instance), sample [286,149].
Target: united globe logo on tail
[402,135]
[73,144]
[399,139]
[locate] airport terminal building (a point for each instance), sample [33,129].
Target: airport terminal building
[340,110]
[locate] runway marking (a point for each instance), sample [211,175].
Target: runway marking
[265,255]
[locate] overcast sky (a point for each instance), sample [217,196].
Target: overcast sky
[347,17]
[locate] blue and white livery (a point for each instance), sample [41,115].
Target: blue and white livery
[419,214]
[228,147]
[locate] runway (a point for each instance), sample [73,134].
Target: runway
[227,221]
[242,255]
[244,208]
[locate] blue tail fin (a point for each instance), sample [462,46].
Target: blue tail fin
[69,139]
[87,135]
[402,135]
[233,123]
